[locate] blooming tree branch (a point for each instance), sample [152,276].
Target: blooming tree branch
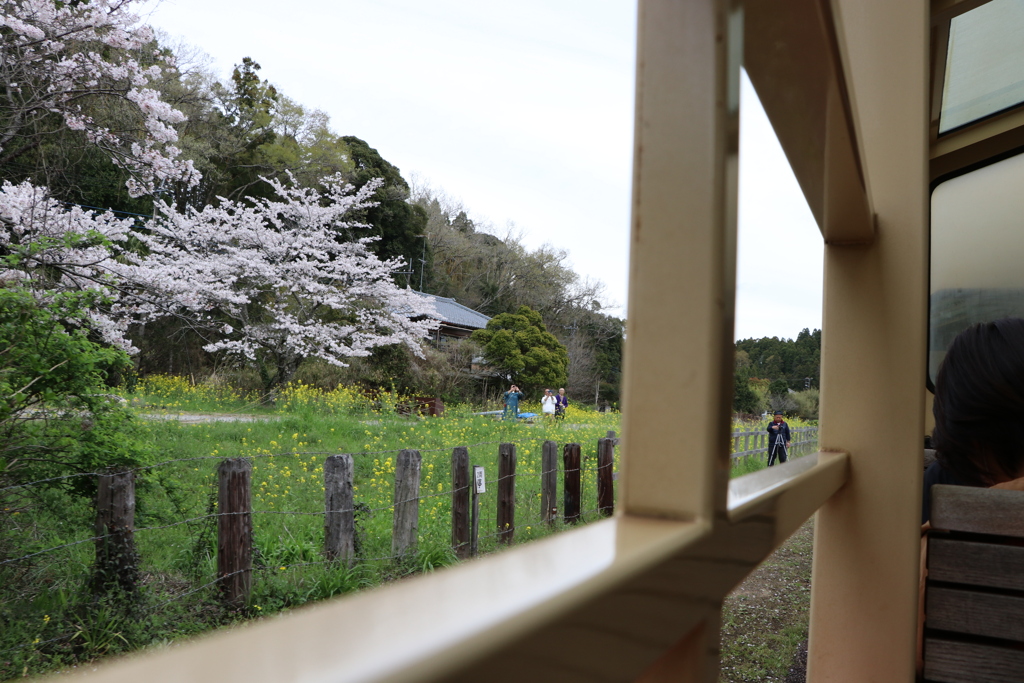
[277,282]
[48,247]
[274,282]
[74,60]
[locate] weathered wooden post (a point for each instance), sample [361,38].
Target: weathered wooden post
[506,492]
[605,482]
[460,502]
[407,502]
[234,530]
[549,482]
[571,479]
[339,517]
[116,559]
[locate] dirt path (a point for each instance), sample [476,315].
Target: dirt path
[764,622]
[203,418]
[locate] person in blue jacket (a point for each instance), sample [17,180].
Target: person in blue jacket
[778,439]
[512,397]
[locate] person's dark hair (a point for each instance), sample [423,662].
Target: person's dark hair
[979,404]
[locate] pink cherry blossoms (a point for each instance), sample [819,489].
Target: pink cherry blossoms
[52,247]
[271,281]
[277,281]
[55,59]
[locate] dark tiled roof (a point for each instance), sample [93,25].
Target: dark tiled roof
[453,313]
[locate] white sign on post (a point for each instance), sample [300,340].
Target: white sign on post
[478,479]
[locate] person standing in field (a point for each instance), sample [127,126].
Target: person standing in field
[512,397]
[778,439]
[561,403]
[547,404]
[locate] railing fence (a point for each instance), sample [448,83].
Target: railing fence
[746,444]
[117,558]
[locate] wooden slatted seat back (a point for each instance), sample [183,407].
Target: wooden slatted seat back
[974,599]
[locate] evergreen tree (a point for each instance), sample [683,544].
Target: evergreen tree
[519,346]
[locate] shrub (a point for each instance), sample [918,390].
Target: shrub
[57,416]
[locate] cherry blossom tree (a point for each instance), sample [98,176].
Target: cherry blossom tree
[277,280]
[88,65]
[49,248]
[271,282]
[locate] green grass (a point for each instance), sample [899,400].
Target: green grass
[49,619]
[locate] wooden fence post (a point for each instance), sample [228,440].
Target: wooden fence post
[339,518]
[549,482]
[571,478]
[234,530]
[506,492]
[407,502]
[116,559]
[460,502]
[605,469]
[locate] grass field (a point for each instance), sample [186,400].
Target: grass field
[50,619]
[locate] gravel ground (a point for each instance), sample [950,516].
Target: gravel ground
[764,621]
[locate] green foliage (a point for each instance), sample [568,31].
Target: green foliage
[745,399]
[788,360]
[807,404]
[399,224]
[248,119]
[519,346]
[767,368]
[56,415]
[496,275]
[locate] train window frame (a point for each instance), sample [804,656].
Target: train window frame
[932,186]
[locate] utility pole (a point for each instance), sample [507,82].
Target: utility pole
[423,259]
[406,273]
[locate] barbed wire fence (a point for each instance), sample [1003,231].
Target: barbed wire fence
[231,547]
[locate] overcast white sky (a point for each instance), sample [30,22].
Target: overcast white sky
[524,112]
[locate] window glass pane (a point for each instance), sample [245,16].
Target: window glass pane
[977,259]
[984,63]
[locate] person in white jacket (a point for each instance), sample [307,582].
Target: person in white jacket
[547,403]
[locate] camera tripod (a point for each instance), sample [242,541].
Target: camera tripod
[780,443]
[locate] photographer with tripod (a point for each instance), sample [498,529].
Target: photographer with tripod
[778,439]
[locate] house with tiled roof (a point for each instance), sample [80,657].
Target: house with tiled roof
[457,321]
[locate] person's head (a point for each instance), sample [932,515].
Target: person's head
[547,392]
[513,387]
[778,416]
[979,404]
[561,392]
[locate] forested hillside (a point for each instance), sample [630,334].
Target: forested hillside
[217,145]
[784,374]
